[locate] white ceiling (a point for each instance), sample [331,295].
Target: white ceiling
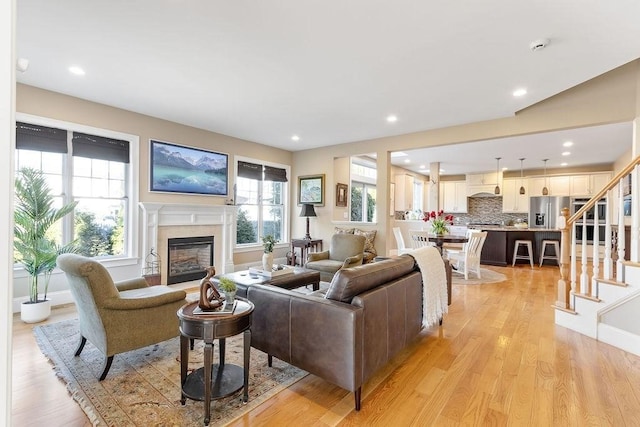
[328,71]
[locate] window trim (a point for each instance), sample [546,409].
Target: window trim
[133,240]
[247,247]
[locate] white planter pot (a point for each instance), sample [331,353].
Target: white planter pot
[36,312]
[267,261]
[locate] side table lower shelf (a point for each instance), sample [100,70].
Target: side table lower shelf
[224,382]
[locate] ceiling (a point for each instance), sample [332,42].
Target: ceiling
[330,71]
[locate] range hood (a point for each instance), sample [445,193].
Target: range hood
[483,193]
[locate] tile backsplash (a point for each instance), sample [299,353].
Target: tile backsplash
[487,210]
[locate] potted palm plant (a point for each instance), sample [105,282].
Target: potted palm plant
[34,246]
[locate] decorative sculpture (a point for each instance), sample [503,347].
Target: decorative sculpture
[210,298]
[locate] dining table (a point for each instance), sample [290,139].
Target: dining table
[441,239]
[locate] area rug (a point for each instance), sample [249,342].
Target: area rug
[488,276]
[143,386]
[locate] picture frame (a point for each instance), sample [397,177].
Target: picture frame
[182,169]
[311,190]
[342,195]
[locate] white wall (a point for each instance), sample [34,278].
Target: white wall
[7,128]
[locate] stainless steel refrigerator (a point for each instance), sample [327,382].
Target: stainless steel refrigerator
[545,210]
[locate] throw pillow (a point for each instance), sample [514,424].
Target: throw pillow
[369,237]
[339,230]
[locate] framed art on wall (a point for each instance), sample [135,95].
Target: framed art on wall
[178,169]
[341,195]
[311,190]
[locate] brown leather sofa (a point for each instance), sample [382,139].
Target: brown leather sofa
[369,314]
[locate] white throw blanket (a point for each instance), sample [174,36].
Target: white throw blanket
[434,284]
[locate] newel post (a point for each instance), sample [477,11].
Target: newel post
[565,249]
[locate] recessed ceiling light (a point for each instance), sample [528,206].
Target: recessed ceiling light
[566,153]
[76,70]
[520,92]
[422,166]
[407,161]
[505,168]
[295,138]
[567,144]
[564,164]
[392,119]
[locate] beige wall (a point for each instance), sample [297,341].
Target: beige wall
[40,102]
[610,98]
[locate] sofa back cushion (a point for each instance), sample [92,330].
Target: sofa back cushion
[349,282]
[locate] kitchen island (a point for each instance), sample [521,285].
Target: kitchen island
[498,248]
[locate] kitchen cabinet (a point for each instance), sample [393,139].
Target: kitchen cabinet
[589,184]
[404,192]
[557,185]
[482,179]
[512,200]
[453,196]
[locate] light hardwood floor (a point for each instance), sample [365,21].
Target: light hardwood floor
[498,359]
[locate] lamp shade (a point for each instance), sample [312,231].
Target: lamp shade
[308,210]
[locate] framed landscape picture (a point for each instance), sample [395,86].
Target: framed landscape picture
[311,190]
[178,169]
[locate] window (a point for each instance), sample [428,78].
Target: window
[418,195]
[261,195]
[90,166]
[363,190]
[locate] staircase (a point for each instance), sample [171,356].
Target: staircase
[599,290]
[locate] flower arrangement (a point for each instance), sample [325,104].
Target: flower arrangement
[268,242]
[439,221]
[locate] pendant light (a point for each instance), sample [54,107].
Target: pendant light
[522,191]
[497,189]
[545,190]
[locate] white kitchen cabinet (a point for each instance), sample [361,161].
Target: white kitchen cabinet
[482,179]
[404,192]
[512,200]
[557,185]
[589,184]
[453,196]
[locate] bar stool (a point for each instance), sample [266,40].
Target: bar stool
[556,254]
[528,246]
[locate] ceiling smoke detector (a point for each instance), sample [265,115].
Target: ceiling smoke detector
[539,44]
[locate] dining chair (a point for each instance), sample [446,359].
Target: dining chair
[468,259]
[419,238]
[402,248]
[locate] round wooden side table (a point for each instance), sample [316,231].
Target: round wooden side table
[224,379]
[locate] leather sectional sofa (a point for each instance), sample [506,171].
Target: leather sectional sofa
[369,314]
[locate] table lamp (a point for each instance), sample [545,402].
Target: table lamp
[307,211]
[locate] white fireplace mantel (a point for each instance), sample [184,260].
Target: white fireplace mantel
[157,215]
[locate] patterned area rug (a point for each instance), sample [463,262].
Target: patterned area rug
[488,276]
[143,386]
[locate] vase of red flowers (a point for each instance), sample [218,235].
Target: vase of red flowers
[439,221]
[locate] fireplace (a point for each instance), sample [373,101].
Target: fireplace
[188,258]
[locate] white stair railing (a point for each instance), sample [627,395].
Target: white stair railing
[584,284]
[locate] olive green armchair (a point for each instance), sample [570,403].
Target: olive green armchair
[345,250]
[119,317]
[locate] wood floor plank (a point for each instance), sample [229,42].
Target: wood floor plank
[497,360]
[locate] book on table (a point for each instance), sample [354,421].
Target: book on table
[225,308]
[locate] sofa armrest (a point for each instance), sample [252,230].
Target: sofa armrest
[352,261]
[317,256]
